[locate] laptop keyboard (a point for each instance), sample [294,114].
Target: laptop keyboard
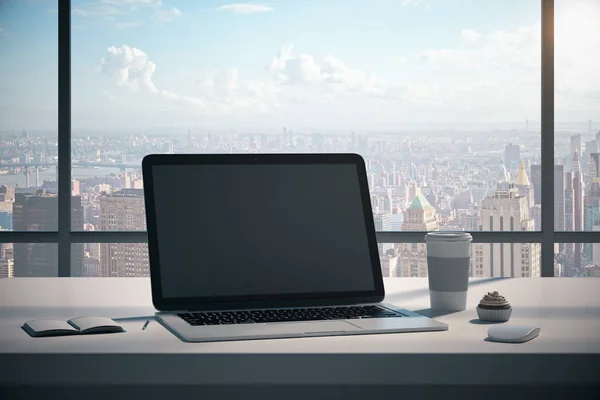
[286,315]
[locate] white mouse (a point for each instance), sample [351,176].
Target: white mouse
[513,333]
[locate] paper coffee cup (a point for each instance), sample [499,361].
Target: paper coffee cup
[448,261]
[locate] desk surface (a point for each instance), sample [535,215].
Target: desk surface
[566,309]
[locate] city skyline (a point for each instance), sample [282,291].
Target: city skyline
[413,186]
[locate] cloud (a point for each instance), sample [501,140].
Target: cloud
[130,67]
[78,27]
[167,15]
[498,49]
[219,91]
[2,31]
[469,35]
[126,25]
[245,8]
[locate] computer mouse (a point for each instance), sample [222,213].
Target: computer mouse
[513,333]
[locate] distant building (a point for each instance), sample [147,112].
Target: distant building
[524,186]
[506,210]
[576,147]
[7,193]
[389,266]
[592,271]
[536,214]
[6,220]
[536,181]
[383,222]
[594,165]
[91,266]
[123,210]
[577,207]
[6,268]
[512,156]
[591,215]
[559,198]
[419,216]
[39,212]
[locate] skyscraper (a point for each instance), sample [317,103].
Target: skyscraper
[512,156]
[6,268]
[559,198]
[383,222]
[569,223]
[123,211]
[536,181]
[419,216]
[591,216]
[524,186]
[577,207]
[591,147]
[575,147]
[594,166]
[39,212]
[506,210]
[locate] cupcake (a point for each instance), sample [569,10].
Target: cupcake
[494,308]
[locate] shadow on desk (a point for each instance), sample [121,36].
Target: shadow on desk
[411,294]
[297,392]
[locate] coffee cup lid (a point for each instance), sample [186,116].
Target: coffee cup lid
[449,236]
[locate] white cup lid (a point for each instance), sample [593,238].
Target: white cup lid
[448,236]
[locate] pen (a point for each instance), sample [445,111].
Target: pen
[145,325]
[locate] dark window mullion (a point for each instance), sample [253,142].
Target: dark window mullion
[547,138]
[64,137]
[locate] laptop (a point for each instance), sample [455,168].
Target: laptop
[265,246]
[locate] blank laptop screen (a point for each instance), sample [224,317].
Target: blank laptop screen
[238,230]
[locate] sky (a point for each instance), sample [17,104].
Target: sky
[307,64]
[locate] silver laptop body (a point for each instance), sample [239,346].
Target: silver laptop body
[266,246]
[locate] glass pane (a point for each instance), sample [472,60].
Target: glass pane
[28,260]
[577,115]
[114,260]
[441,98]
[510,260]
[577,259]
[28,115]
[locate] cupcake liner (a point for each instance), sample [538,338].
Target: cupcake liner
[494,315]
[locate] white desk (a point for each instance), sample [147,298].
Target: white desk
[566,352]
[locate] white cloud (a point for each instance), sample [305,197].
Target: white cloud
[167,15]
[220,91]
[78,27]
[469,35]
[130,67]
[245,8]
[499,49]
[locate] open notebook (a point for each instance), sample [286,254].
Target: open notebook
[74,326]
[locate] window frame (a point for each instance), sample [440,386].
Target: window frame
[65,237]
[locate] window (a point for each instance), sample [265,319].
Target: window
[577,134]
[451,125]
[28,116]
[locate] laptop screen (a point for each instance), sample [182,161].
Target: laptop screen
[266,229]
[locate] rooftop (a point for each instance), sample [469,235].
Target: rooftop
[419,203]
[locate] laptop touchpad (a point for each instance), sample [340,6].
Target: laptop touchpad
[308,328]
